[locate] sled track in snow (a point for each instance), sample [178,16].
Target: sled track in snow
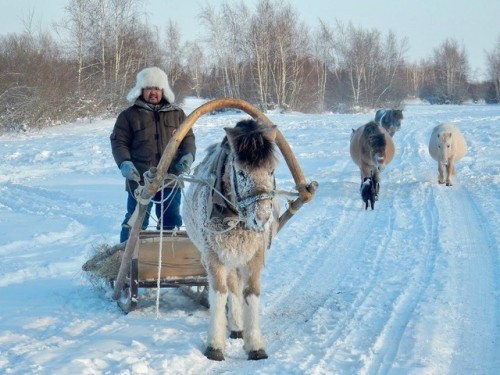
[471,262]
[419,262]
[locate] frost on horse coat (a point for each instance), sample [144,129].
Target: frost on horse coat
[233,230]
[447,145]
[371,149]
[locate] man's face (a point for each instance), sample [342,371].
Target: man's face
[152,95]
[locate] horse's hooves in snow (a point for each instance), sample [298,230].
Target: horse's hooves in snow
[449,184]
[236,335]
[255,355]
[214,354]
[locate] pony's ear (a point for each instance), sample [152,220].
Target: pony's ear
[271,133]
[232,133]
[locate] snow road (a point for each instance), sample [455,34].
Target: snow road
[409,288]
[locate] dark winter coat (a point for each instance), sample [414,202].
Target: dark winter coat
[141,133]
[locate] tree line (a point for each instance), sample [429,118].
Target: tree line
[265,55]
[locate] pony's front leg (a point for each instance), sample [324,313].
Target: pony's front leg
[234,304]
[450,171]
[252,336]
[217,297]
[441,179]
[376,181]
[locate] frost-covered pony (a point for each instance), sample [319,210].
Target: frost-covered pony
[233,230]
[372,149]
[447,145]
[389,119]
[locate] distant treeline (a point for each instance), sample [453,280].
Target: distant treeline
[264,55]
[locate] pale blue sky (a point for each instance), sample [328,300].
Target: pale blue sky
[426,23]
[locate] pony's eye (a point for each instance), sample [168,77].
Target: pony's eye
[271,173]
[242,174]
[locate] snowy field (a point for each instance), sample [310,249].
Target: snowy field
[412,287]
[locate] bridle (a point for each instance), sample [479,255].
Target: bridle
[242,203]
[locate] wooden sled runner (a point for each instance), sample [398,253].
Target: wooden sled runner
[139,262]
[180,267]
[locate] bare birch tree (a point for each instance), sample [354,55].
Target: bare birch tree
[77,28]
[324,61]
[291,46]
[370,65]
[227,32]
[451,70]
[172,59]
[195,66]
[260,37]
[493,71]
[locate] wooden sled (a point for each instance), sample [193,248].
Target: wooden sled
[185,271]
[180,267]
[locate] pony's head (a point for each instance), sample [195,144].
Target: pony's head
[376,142]
[253,161]
[397,117]
[444,146]
[390,119]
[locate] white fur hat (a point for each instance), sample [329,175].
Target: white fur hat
[151,77]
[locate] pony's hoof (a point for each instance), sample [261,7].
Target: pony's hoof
[255,355]
[236,335]
[449,184]
[214,354]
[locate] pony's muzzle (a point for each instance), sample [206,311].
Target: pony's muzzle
[380,164]
[379,161]
[260,220]
[256,211]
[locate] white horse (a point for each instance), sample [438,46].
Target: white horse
[233,229]
[447,145]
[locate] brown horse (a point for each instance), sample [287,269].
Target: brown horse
[372,149]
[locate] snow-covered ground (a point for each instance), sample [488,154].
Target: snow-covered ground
[409,288]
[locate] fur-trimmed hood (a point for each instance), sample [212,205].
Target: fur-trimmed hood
[151,77]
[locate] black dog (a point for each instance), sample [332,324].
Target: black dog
[389,119]
[368,192]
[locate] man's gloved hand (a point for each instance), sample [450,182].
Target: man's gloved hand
[184,164]
[129,171]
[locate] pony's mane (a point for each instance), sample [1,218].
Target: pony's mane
[373,135]
[253,143]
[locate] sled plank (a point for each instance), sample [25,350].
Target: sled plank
[179,257]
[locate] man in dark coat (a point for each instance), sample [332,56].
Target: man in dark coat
[140,135]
